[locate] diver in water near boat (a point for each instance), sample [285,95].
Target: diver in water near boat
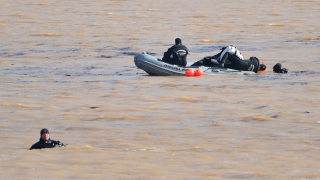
[177,54]
[231,57]
[45,141]
[278,69]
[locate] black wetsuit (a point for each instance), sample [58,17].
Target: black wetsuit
[207,61]
[251,64]
[47,144]
[177,54]
[231,61]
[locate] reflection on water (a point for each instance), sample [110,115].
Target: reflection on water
[68,66]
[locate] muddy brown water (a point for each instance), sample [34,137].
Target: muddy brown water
[68,66]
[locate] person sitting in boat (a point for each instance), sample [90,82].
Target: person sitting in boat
[176,54]
[231,57]
[45,141]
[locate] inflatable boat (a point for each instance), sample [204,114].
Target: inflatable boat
[156,67]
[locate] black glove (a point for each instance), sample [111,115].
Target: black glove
[60,144]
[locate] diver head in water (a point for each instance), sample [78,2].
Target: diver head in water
[262,67]
[44,134]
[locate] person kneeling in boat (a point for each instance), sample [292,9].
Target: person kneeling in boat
[177,54]
[231,57]
[45,141]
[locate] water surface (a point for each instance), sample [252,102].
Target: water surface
[68,66]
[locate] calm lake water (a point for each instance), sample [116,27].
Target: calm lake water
[68,66]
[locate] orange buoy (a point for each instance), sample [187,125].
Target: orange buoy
[189,72]
[198,72]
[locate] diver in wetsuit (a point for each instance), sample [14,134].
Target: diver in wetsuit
[176,54]
[46,142]
[231,57]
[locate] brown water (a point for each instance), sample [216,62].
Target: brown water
[68,66]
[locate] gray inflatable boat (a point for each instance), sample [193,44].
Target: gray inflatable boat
[156,67]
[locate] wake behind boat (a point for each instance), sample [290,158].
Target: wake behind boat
[156,67]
